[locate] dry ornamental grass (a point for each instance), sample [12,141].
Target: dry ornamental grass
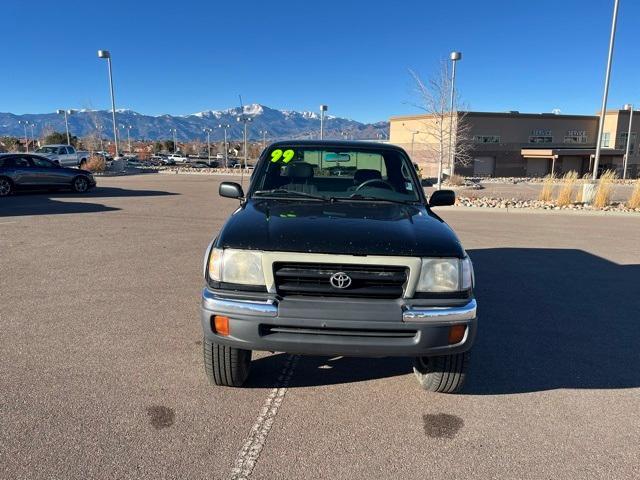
[546,194]
[95,164]
[604,191]
[634,200]
[565,196]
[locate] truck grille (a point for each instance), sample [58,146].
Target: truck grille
[366,281]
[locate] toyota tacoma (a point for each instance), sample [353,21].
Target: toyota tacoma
[335,250]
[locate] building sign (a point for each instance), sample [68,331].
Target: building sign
[576,133]
[541,132]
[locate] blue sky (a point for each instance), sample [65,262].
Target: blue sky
[188,56]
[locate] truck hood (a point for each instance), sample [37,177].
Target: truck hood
[351,228]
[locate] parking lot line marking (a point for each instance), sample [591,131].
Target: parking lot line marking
[250,451]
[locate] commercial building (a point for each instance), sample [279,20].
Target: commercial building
[517,144]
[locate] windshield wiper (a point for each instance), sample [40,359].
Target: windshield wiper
[368,198]
[283,193]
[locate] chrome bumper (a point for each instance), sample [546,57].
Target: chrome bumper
[410,314]
[441,315]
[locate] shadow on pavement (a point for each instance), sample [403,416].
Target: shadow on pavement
[41,203]
[551,318]
[315,371]
[548,319]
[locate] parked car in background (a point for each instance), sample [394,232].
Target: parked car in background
[23,171]
[178,158]
[65,155]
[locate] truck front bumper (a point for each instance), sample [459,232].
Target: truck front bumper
[353,327]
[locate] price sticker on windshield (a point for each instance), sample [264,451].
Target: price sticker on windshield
[286,156]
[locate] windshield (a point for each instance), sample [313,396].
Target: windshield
[340,173]
[47,150]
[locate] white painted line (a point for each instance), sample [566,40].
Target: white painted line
[250,451]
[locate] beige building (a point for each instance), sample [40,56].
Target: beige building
[517,144]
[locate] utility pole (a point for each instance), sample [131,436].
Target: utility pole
[264,138]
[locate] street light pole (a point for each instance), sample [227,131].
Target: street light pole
[26,140]
[33,137]
[129,127]
[455,56]
[323,108]
[264,138]
[175,139]
[226,148]
[208,132]
[244,119]
[107,55]
[603,110]
[628,107]
[66,123]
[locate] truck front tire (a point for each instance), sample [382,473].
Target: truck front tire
[442,374]
[226,366]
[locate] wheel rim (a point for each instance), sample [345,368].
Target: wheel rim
[80,184]
[5,187]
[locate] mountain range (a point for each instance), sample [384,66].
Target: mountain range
[279,124]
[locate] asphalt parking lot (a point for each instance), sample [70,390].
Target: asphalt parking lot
[101,373]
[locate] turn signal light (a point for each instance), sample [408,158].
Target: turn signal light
[456,333]
[221,325]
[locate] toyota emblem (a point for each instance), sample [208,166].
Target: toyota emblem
[340,280]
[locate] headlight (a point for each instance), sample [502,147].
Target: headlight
[445,275]
[236,266]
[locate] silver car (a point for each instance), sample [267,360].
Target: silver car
[24,171]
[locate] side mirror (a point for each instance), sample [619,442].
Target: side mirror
[442,198]
[230,190]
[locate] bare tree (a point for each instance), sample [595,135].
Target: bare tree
[442,128]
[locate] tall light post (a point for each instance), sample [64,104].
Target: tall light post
[128,128]
[629,108]
[66,121]
[603,110]
[26,140]
[455,57]
[174,133]
[208,132]
[244,119]
[323,108]
[33,137]
[226,148]
[264,138]
[99,129]
[105,54]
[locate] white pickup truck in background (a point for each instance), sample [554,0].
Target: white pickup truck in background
[65,155]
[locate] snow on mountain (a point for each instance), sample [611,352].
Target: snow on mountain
[279,124]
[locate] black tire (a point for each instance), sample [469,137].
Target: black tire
[443,374]
[6,187]
[226,366]
[80,184]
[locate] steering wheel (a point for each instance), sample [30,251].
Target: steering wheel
[384,184]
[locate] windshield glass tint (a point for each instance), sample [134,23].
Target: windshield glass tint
[338,173]
[47,150]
